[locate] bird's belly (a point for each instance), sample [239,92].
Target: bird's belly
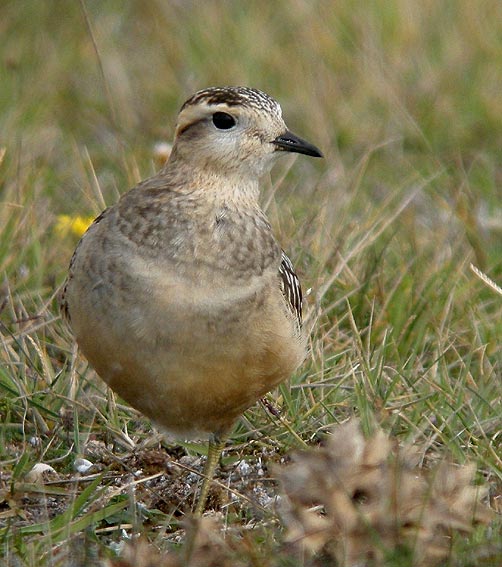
[190,362]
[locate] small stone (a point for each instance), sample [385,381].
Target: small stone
[243,468]
[82,465]
[41,473]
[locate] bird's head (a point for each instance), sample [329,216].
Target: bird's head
[234,129]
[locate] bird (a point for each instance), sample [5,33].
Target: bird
[179,295]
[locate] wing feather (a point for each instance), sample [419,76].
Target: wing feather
[291,287]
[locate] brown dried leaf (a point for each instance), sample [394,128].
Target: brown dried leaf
[374,498]
[309,528]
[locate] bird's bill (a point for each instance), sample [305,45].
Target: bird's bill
[290,142]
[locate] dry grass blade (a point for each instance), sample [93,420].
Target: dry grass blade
[485,279]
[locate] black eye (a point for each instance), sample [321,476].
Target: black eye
[223,121]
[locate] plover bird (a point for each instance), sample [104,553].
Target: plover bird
[179,295]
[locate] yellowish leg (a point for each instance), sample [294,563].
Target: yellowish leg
[216,446]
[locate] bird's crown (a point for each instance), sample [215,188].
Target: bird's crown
[235,96]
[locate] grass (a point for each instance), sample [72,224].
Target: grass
[403,98]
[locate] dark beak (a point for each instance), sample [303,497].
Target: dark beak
[290,142]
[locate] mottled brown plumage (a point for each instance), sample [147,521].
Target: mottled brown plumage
[179,295]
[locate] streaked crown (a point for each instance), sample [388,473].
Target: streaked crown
[239,129]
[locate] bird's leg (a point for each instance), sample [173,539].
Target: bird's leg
[216,445]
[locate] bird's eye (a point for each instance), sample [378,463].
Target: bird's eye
[223,121]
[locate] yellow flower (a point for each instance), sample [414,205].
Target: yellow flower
[77,225]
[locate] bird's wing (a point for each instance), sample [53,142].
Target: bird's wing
[63,303]
[291,287]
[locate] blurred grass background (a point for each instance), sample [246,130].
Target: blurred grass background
[404,99]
